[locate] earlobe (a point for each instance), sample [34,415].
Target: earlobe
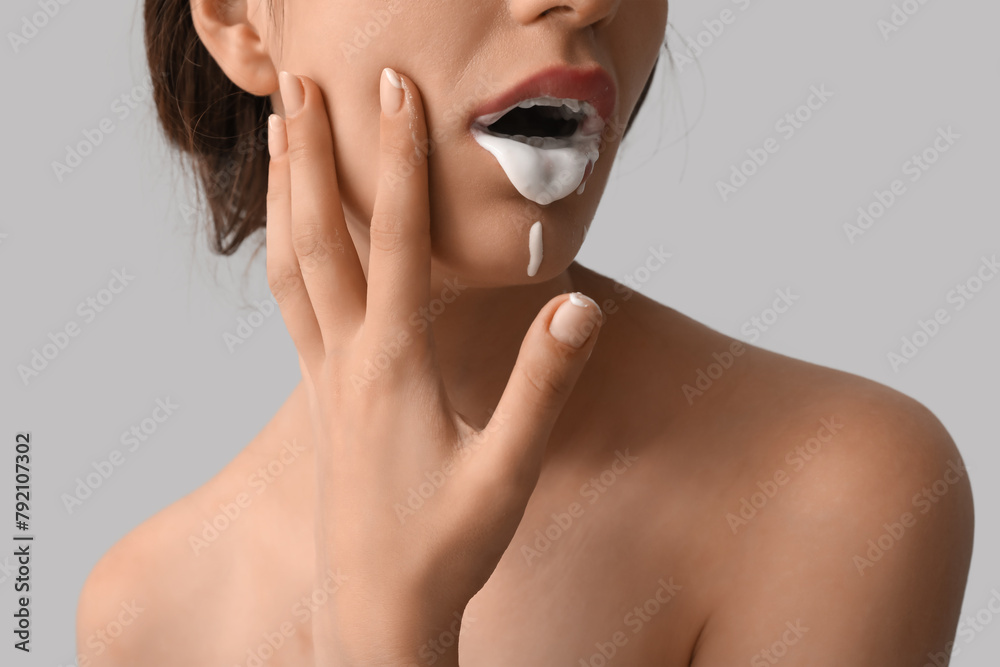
[227,31]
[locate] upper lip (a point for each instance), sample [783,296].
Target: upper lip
[589,84]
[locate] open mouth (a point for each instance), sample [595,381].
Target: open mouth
[543,122]
[546,145]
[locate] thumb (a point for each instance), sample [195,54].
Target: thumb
[551,358]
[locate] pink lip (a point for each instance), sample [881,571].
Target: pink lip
[590,84]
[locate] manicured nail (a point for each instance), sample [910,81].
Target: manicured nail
[575,320]
[292,93]
[390,92]
[277,140]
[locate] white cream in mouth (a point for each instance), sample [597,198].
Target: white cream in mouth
[545,169]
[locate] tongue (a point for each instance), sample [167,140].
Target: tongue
[542,175]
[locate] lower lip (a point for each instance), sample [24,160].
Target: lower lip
[543,175]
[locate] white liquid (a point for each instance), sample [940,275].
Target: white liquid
[534,248]
[546,171]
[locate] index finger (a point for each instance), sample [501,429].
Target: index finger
[400,261]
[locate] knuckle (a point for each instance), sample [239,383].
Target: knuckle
[310,245]
[275,201]
[300,149]
[549,385]
[283,282]
[399,150]
[388,232]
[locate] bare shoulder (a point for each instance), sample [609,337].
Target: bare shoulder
[848,527]
[129,606]
[773,400]
[848,450]
[833,514]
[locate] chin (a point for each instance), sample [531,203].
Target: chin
[489,244]
[481,224]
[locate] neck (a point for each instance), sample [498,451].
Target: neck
[477,337]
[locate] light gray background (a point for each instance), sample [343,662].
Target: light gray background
[163,335]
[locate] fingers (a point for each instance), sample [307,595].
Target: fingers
[552,356]
[400,261]
[283,274]
[326,254]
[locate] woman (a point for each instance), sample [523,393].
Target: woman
[497,456]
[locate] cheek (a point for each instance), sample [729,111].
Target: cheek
[356,156]
[635,46]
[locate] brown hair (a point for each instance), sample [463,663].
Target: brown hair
[219,128]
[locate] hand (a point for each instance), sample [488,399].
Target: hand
[409,573]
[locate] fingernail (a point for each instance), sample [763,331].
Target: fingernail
[292,93]
[390,92]
[575,320]
[277,140]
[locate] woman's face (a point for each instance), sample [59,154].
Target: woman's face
[463,54]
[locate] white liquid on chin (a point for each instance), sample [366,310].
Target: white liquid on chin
[545,172]
[535,248]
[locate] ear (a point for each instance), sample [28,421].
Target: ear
[236,33]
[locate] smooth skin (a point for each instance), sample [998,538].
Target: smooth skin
[374,442]
[598,509]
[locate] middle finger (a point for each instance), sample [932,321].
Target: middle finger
[329,261]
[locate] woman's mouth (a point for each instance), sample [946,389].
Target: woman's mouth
[547,146]
[543,118]
[546,132]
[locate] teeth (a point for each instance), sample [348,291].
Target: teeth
[568,113]
[569,108]
[571,104]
